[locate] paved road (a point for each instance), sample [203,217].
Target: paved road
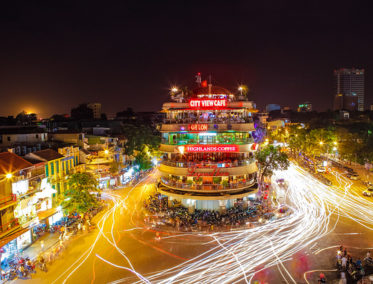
[284,250]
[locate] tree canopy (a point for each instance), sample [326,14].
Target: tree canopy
[80,196]
[270,158]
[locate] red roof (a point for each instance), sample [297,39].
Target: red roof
[10,163]
[215,90]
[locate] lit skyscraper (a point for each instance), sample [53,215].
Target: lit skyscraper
[349,89]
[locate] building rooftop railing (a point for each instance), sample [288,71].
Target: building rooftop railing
[208,164]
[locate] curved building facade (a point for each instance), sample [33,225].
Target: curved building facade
[208,160]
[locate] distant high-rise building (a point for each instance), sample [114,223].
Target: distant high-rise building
[349,93]
[96,107]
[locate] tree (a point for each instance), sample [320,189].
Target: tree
[24,118]
[140,136]
[143,158]
[80,195]
[269,159]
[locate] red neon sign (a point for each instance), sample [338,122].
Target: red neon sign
[216,172]
[198,127]
[207,103]
[211,148]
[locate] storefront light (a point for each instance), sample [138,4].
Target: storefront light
[207,134]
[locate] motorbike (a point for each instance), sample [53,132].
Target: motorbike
[11,274]
[368,261]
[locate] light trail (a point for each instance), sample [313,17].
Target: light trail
[238,255]
[118,202]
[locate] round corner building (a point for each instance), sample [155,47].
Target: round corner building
[208,160]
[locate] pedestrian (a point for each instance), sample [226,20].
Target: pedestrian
[79,226]
[343,279]
[344,262]
[322,278]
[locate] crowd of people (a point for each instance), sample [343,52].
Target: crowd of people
[355,269]
[181,219]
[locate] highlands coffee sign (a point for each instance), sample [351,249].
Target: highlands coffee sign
[198,127]
[211,148]
[215,173]
[207,103]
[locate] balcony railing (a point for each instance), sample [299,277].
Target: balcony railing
[204,164]
[7,199]
[216,141]
[194,186]
[9,226]
[209,120]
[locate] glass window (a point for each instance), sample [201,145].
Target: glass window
[52,168]
[46,170]
[57,167]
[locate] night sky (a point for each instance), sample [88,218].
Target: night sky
[58,54]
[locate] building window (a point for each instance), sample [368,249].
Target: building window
[52,169]
[63,167]
[57,167]
[8,138]
[46,170]
[37,135]
[58,188]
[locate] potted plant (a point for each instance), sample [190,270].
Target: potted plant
[224,183]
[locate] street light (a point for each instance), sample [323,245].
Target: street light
[181,149]
[321,143]
[9,175]
[240,88]
[174,89]
[106,152]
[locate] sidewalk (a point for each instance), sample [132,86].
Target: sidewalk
[49,239]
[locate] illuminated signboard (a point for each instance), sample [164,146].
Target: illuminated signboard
[198,127]
[207,103]
[216,172]
[211,148]
[20,187]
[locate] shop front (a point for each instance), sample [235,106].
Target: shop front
[104,182]
[24,240]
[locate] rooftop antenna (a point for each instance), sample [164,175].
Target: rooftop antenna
[198,79]
[210,85]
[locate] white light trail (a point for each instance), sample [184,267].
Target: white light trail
[238,255]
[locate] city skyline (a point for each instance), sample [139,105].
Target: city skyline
[126,55]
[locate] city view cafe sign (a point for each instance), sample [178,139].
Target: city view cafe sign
[207,103]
